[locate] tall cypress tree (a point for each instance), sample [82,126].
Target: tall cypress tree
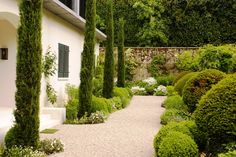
[87,67]
[121,59]
[108,80]
[28,74]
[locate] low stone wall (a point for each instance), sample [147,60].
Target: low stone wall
[143,56]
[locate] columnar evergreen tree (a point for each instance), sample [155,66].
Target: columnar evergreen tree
[108,81]
[121,59]
[28,75]
[87,67]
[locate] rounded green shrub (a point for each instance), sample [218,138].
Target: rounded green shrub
[179,86]
[179,76]
[10,138]
[228,154]
[124,95]
[72,109]
[215,113]
[177,144]
[198,85]
[172,126]
[101,104]
[117,102]
[174,115]
[198,136]
[175,102]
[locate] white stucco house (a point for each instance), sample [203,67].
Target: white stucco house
[63,27]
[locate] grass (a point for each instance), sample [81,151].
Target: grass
[49,131]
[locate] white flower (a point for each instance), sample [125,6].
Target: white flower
[150,81]
[137,89]
[161,88]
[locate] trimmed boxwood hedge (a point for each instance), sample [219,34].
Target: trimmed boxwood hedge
[198,85]
[124,95]
[177,144]
[215,113]
[172,126]
[181,82]
[179,76]
[198,136]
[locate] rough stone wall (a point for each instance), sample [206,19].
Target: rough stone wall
[144,55]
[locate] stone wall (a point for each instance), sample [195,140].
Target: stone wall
[143,56]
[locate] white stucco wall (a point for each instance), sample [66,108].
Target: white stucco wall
[7,67]
[54,30]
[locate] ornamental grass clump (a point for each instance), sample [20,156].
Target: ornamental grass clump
[198,85]
[177,144]
[175,102]
[175,116]
[215,113]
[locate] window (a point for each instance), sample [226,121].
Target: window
[82,5]
[67,3]
[63,61]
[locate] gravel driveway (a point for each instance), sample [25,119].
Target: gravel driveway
[126,133]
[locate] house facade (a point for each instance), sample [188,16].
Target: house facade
[63,27]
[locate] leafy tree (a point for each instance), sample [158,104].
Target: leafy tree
[25,131]
[87,66]
[108,81]
[121,59]
[152,31]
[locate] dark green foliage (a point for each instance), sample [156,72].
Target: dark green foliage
[215,113]
[179,86]
[198,85]
[198,136]
[10,138]
[172,126]
[174,115]
[165,80]
[124,95]
[198,22]
[175,102]
[101,104]
[97,86]
[179,76]
[217,57]
[156,64]
[87,66]
[121,58]
[177,144]
[108,81]
[25,131]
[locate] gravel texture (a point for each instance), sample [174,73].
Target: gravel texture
[126,133]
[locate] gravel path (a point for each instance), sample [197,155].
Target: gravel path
[126,133]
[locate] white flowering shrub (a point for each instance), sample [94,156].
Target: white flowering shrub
[50,146]
[96,117]
[161,91]
[150,81]
[23,152]
[138,90]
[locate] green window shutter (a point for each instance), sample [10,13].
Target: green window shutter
[61,60]
[66,62]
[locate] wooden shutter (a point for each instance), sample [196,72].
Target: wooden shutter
[61,60]
[66,61]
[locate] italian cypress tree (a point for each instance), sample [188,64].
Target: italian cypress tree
[25,131]
[87,67]
[121,59]
[108,80]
